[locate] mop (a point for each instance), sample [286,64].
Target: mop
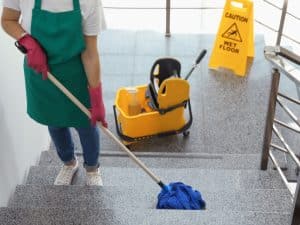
[176,195]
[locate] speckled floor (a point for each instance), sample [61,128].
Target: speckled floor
[220,157]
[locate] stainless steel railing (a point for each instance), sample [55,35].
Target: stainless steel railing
[168,9]
[279,31]
[282,60]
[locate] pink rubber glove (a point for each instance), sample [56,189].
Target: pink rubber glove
[36,57]
[97,106]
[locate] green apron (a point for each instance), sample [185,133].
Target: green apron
[60,34]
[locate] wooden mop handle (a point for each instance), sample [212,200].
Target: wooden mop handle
[107,131]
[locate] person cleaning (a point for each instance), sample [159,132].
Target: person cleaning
[61,37]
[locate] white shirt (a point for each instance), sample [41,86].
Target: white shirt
[91,10]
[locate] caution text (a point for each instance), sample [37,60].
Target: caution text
[229,46]
[236,17]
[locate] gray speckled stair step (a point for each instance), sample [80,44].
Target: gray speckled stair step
[108,197]
[201,178]
[216,161]
[95,216]
[176,217]
[57,216]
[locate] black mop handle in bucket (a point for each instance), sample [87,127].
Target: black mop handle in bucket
[198,60]
[105,130]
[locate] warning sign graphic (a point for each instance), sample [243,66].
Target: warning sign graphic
[233,33]
[234,43]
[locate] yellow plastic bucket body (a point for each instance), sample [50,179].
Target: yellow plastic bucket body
[150,122]
[173,91]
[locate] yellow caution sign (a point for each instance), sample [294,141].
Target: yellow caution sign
[235,39]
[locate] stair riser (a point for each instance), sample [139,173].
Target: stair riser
[49,158]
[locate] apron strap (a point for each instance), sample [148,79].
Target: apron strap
[38,4]
[76,5]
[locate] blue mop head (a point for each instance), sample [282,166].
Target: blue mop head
[179,196]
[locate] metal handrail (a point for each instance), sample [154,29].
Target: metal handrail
[285,181]
[163,8]
[278,148]
[168,9]
[272,54]
[289,98]
[168,18]
[282,20]
[286,126]
[286,146]
[290,114]
[279,57]
[280,8]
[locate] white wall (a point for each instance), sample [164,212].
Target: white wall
[21,139]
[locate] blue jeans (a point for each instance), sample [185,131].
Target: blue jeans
[89,139]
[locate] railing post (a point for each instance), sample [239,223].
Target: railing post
[270,119]
[295,220]
[298,90]
[168,17]
[280,30]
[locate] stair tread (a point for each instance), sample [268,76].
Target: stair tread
[56,215]
[96,216]
[111,197]
[202,178]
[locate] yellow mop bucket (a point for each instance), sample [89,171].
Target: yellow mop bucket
[135,116]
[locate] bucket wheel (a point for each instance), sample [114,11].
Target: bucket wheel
[186,133]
